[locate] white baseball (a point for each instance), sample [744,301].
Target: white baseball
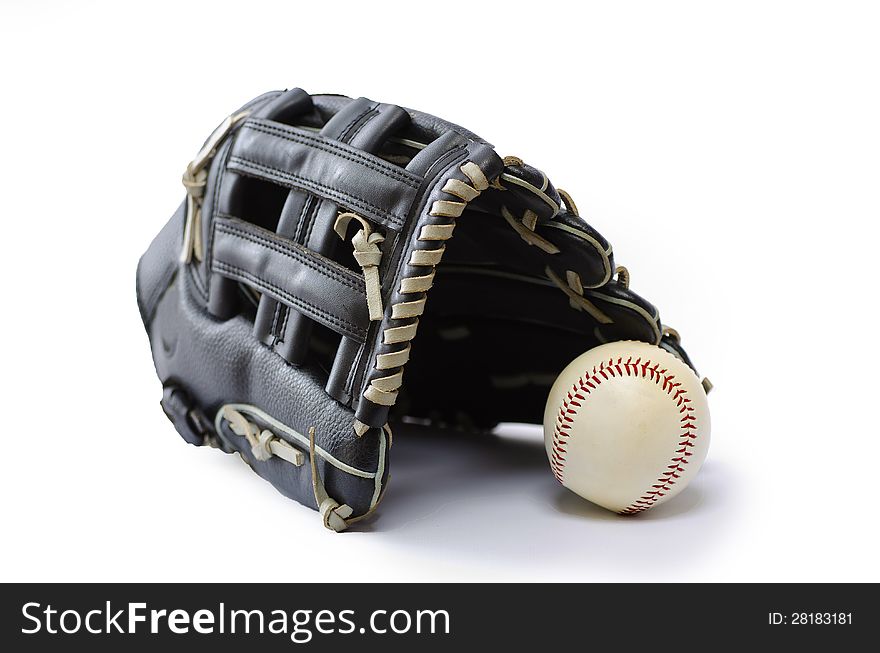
[626,426]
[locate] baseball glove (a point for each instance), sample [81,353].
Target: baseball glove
[287,296]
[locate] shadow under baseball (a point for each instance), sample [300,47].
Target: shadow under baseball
[493,496]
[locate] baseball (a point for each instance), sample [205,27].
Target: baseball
[626,426]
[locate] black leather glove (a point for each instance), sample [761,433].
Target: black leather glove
[286,298]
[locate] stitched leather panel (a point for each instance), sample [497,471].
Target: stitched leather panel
[299,159]
[286,331]
[383,122]
[366,125]
[424,126]
[212,200]
[220,362]
[315,286]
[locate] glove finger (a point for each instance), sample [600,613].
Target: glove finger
[530,229]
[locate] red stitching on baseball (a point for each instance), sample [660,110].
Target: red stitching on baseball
[588,382]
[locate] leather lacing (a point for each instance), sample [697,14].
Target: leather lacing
[264,444]
[195,179]
[368,257]
[383,390]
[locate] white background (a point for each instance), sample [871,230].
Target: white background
[729,151]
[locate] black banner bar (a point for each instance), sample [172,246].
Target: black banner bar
[433,617]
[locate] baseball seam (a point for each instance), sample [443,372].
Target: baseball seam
[647,369]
